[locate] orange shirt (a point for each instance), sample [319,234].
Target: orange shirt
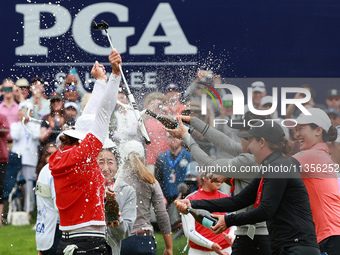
[323,189]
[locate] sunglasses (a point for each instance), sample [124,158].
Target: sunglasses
[7,89]
[70,88]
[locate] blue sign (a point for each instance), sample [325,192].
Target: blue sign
[167,41]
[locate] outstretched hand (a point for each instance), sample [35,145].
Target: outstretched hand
[218,249]
[182,205]
[98,71]
[115,60]
[178,132]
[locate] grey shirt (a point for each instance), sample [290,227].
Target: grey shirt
[126,199]
[147,195]
[240,159]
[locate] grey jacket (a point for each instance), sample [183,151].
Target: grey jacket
[147,195]
[126,198]
[239,159]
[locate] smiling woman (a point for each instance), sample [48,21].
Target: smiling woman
[313,132]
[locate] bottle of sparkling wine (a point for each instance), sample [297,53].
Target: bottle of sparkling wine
[167,121]
[111,211]
[202,217]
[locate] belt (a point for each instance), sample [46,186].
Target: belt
[68,235]
[143,233]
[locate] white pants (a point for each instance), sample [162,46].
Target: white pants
[199,252]
[28,172]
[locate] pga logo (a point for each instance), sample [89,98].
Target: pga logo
[163,16]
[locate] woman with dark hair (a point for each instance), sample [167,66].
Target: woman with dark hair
[78,179]
[49,149]
[124,194]
[54,123]
[319,174]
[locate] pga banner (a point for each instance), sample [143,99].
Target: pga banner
[164,42]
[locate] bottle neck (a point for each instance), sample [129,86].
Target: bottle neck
[189,209]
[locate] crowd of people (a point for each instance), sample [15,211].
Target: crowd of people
[73,150]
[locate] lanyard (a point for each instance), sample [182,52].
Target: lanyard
[259,194]
[27,133]
[172,164]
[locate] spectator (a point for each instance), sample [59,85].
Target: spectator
[71,94]
[4,130]
[123,124]
[334,152]
[8,106]
[148,191]
[47,234]
[72,80]
[158,137]
[41,106]
[108,160]
[55,122]
[203,240]
[25,134]
[293,112]
[171,168]
[333,99]
[22,90]
[334,116]
[259,91]
[173,96]
[75,169]
[72,109]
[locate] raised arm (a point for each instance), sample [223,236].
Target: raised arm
[108,100]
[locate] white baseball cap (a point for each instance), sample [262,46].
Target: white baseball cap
[266,100]
[82,128]
[318,117]
[71,104]
[126,148]
[258,86]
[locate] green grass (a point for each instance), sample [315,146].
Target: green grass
[20,240]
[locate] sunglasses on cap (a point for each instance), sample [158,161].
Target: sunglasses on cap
[70,88]
[228,103]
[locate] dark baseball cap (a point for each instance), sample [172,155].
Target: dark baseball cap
[271,131]
[333,93]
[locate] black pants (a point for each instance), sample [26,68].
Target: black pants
[300,250]
[331,245]
[3,166]
[243,245]
[135,245]
[86,245]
